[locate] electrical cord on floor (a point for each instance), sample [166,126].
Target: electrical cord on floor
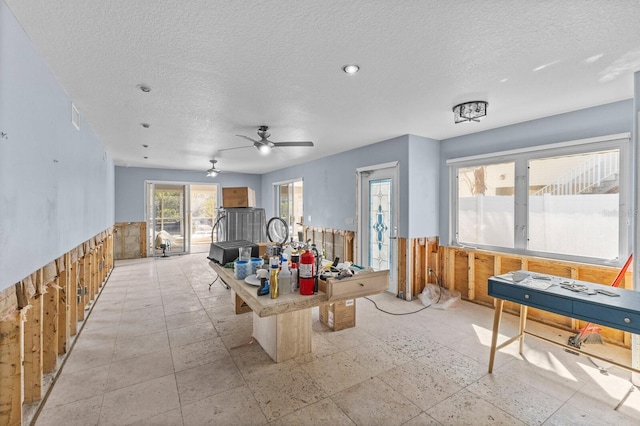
[414,312]
[395,313]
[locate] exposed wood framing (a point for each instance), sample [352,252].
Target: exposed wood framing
[63,304]
[11,335]
[38,317]
[129,240]
[467,271]
[50,327]
[83,273]
[72,296]
[334,242]
[402,265]
[33,348]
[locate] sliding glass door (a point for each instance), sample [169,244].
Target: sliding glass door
[167,207]
[288,204]
[179,217]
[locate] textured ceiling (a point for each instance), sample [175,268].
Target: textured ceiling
[221,68]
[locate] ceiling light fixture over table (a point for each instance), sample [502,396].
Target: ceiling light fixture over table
[469,111]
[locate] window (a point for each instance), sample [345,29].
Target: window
[486,208]
[566,201]
[288,202]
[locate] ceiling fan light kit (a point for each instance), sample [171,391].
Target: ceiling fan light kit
[213,172]
[265,146]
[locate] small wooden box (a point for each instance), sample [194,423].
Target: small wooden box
[240,305]
[339,315]
[362,284]
[242,196]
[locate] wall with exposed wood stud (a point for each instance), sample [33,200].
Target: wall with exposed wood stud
[39,317]
[468,271]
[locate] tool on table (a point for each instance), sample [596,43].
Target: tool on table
[264,289]
[591,332]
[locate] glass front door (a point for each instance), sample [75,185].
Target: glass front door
[379,222]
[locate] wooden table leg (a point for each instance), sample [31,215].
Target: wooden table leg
[284,336]
[523,323]
[497,316]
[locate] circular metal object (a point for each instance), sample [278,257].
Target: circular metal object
[277,230]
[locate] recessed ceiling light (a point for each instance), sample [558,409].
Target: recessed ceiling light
[144,88]
[351,69]
[145,125]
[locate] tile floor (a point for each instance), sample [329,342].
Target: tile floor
[161,348]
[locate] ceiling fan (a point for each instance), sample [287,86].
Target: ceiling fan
[264,145]
[213,171]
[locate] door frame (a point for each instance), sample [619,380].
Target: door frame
[276,205]
[362,172]
[149,191]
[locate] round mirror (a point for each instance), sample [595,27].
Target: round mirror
[277,230]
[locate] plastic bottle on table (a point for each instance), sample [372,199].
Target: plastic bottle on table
[273,276]
[294,277]
[284,279]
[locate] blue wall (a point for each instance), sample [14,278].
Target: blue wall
[587,123]
[56,183]
[129,187]
[423,181]
[330,184]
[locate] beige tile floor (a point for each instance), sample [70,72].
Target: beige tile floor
[161,348]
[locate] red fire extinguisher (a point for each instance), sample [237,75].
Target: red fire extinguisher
[305,274]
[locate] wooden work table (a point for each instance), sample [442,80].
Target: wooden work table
[282,326]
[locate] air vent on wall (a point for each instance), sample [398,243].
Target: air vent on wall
[75,117]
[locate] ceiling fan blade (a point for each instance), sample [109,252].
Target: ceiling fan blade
[235,147]
[247,138]
[300,143]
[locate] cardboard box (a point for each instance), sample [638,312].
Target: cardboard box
[262,248]
[242,196]
[240,305]
[339,315]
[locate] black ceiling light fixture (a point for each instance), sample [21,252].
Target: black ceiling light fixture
[469,111]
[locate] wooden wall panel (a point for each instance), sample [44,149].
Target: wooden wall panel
[33,351]
[545,266]
[468,271]
[130,240]
[483,269]
[39,316]
[402,264]
[50,328]
[11,334]
[461,273]
[509,264]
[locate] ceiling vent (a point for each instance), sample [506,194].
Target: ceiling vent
[75,116]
